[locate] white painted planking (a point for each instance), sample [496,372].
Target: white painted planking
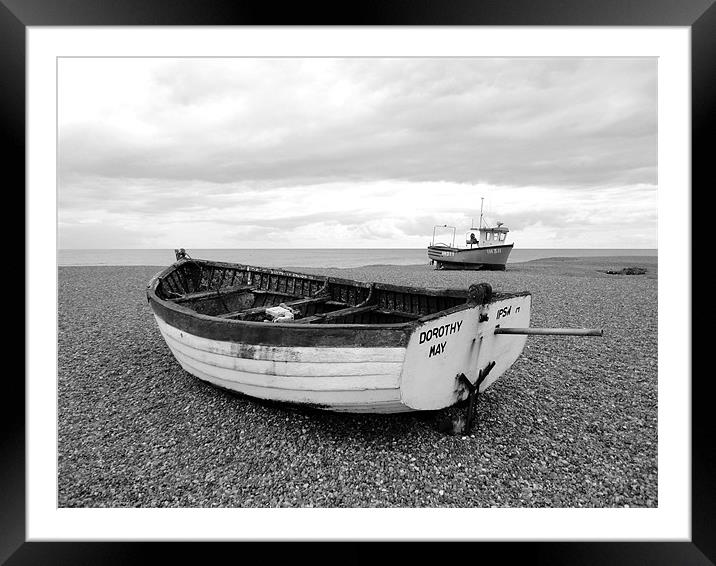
[336,369]
[374,400]
[283,381]
[341,381]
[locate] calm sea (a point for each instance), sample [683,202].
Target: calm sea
[311,257]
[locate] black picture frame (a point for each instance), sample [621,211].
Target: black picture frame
[17,15]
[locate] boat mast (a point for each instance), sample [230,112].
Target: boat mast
[482,202]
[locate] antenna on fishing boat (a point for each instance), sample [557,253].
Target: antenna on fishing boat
[482,202]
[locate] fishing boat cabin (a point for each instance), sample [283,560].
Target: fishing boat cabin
[487,236]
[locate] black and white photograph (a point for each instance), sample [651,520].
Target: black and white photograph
[359,284]
[341,282]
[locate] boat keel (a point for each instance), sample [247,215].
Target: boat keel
[473,392]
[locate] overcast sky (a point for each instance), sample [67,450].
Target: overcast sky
[336,153]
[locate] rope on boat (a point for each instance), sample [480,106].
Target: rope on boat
[479,293]
[181,254]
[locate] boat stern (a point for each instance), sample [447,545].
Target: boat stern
[462,342]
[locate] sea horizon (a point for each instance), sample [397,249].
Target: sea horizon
[310,257]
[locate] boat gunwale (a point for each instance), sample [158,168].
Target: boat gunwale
[411,324]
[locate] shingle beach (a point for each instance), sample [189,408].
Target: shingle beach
[573,423]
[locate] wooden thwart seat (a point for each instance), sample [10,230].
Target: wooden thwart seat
[337,314]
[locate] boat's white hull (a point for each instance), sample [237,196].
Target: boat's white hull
[421,375]
[334,378]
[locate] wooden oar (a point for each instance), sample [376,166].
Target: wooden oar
[552,331]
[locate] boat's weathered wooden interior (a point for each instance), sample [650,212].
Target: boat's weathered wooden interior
[240,292]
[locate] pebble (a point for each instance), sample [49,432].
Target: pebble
[573,423]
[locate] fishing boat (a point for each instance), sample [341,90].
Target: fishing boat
[342,345]
[486,247]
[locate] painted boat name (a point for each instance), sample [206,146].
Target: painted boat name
[436,349]
[440,331]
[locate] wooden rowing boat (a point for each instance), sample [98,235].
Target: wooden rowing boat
[352,346]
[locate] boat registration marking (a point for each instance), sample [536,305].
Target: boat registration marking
[506,311]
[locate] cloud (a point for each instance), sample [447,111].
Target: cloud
[221,142]
[378,214]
